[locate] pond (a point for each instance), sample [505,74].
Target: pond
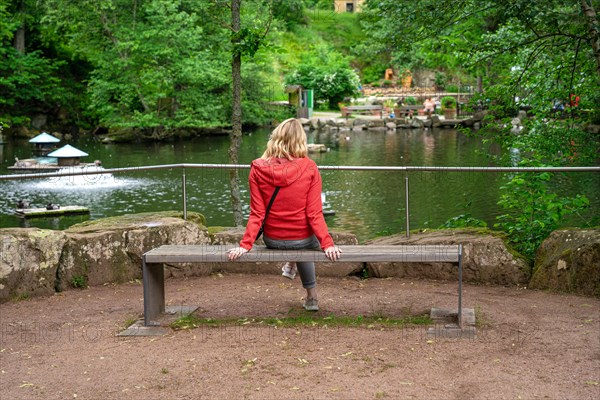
[367,203]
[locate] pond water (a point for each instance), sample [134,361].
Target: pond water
[365,202]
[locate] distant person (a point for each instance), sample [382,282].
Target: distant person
[558,106]
[295,220]
[574,100]
[429,106]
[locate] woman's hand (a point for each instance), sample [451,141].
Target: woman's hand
[235,253]
[333,253]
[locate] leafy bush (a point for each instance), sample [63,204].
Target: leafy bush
[290,12]
[328,73]
[463,221]
[448,103]
[532,211]
[410,101]
[440,80]
[452,88]
[79,282]
[387,83]
[372,73]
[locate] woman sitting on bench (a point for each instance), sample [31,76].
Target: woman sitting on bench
[285,199]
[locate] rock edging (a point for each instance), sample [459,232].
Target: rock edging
[486,258]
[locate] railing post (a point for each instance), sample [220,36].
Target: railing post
[184,193]
[407,209]
[460,278]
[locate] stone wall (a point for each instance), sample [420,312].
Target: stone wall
[39,262]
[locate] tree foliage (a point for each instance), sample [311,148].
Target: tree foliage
[489,38]
[30,81]
[328,73]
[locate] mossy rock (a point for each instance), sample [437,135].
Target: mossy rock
[569,261]
[29,261]
[132,220]
[487,258]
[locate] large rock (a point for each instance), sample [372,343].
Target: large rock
[569,260]
[234,235]
[29,258]
[486,258]
[110,249]
[376,123]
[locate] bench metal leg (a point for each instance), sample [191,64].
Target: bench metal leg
[154,291]
[460,271]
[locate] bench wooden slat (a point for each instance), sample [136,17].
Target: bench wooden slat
[362,108]
[371,253]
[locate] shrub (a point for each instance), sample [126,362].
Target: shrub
[410,100]
[463,221]
[328,73]
[440,80]
[448,103]
[532,211]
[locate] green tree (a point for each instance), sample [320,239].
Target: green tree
[157,65]
[328,73]
[30,82]
[246,37]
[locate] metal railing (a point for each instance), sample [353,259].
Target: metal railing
[77,171]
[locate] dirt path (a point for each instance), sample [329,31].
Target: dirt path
[530,345]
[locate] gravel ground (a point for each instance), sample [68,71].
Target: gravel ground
[530,344]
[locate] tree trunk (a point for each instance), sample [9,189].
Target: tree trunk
[590,13]
[236,117]
[19,41]
[479,84]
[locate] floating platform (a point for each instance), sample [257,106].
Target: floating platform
[316,148]
[43,212]
[33,165]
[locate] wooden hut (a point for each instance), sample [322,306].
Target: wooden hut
[68,156]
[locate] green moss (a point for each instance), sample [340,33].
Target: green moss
[21,296]
[306,319]
[123,221]
[42,233]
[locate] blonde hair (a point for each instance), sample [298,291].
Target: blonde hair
[288,140]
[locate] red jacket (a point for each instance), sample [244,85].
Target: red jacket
[297,211]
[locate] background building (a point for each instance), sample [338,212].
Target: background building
[348,5]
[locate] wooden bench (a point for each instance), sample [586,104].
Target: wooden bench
[153,269]
[404,110]
[370,109]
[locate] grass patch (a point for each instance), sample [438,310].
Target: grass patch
[129,321]
[21,297]
[305,319]
[79,282]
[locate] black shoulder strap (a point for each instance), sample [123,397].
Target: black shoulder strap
[262,226]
